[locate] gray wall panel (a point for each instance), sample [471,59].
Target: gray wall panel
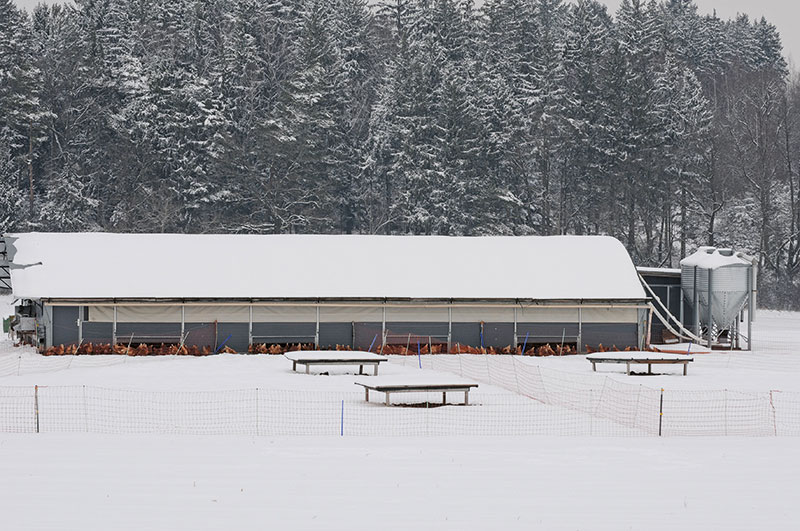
[622,335]
[548,332]
[65,325]
[284,332]
[398,332]
[149,333]
[367,334]
[332,334]
[467,334]
[238,332]
[201,334]
[498,335]
[97,332]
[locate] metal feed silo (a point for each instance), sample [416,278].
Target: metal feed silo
[719,284]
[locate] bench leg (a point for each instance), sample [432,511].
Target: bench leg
[685,365]
[360,369]
[387,398]
[375,370]
[466,397]
[366,397]
[307,368]
[594,366]
[629,368]
[294,366]
[649,368]
[444,398]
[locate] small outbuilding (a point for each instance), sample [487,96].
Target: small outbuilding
[359,291]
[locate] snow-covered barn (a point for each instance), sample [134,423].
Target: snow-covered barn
[352,290]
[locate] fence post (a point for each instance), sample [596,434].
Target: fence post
[36,405]
[660,411]
[774,420]
[427,417]
[600,399]
[85,412]
[725,408]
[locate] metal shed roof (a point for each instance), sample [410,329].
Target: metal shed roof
[139,266]
[713,258]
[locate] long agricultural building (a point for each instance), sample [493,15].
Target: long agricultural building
[357,291]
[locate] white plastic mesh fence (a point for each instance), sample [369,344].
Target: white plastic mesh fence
[612,410]
[631,409]
[537,401]
[272,412]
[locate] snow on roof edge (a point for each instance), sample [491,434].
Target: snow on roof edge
[138,266]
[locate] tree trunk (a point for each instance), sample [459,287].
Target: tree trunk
[30,168]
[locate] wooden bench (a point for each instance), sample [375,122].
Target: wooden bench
[400,385]
[335,357]
[629,358]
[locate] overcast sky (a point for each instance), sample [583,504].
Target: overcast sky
[783,13]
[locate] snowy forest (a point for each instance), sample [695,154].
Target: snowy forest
[660,126]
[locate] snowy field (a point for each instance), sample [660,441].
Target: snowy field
[111,479]
[80,482]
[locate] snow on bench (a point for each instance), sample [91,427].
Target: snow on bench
[417,384]
[682,348]
[335,357]
[650,358]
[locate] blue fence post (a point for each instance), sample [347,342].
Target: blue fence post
[373,342]
[223,343]
[419,354]
[525,344]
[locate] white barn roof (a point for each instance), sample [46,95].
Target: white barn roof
[131,266]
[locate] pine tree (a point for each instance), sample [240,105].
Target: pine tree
[21,116]
[588,130]
[13,203]
[636,128]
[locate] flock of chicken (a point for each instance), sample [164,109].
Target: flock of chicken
[144,349]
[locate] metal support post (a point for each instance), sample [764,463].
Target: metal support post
[80,325]
[515,328]
[710,318]
[383,328]
[114,328]
[449,327]
[669,299]
[250,326]
[580,331]
[696,305]
[316,331]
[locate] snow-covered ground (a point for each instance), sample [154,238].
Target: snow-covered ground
[90,482]
[111,478]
